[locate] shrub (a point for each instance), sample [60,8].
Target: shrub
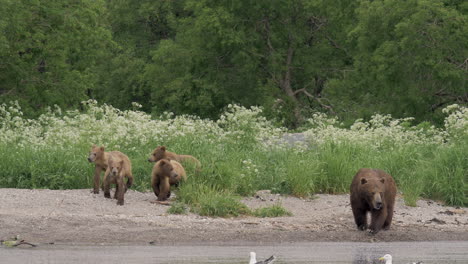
[272,211]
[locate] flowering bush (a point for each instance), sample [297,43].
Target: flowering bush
[382,131]
[242,124]
[112,127]
[456,124]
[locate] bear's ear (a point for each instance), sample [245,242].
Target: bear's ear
[163,148]
[363,181]
[162,162]
[382,180]
[102,148]
[121,163]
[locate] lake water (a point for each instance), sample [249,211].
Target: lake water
[315,252]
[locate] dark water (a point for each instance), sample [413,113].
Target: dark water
[318,252]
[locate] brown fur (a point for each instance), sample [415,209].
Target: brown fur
[117,170]
[166,173]
[100,158]
[161,153]
[373,191]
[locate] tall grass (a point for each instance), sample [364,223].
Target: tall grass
[241,153]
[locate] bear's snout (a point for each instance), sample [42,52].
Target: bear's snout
[89,159]
[378,205]
[149,160]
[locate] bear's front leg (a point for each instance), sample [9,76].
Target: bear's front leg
[129,181]
[116,191]
[164,189]
[360,218]
[96,179]
[106,187]
[378,219]
[155,185]
[388,220]
[120,190]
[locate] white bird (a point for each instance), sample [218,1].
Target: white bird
[388,259]
[253,259]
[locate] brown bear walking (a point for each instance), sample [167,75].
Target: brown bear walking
[161,153]
[117,170]
[101,159]
[373,191]
[166,173]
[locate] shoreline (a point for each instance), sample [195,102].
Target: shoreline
[77,217]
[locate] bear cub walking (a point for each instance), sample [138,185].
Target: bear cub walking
[373,191]
[100,158]
[116,171]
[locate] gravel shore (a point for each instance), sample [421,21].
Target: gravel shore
[80,217]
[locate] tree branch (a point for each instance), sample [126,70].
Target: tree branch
[304,91]
[335,45]
[319,100]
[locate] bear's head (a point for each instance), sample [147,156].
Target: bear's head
[157,154]
[115,166]
[95,153]
[373,190]
[166,169]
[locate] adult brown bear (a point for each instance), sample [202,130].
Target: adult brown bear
[373,191]
[166,173]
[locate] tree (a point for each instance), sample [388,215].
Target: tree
[138,27]
[50,50]
[252,53]
[410,57]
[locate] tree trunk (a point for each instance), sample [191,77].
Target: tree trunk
[285,84]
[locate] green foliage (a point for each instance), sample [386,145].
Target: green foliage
[206,200]
[43,168]
[249,53]
[50,51]
[352,58]
[444,177]
[177,208]
[409,59]
[272,211]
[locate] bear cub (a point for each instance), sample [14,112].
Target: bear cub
[116,171]
[161,153]
[100,158]
[373,191]
[166,173]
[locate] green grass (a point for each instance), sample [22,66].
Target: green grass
[272,211]
[209,201]
[444,177]
[177,208]
[435,172]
